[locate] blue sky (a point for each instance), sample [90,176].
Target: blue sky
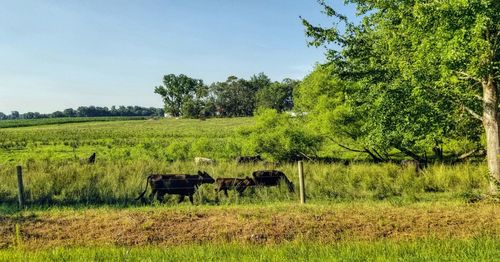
[60,54]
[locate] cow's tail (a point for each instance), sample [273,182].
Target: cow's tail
[141,196]
[291,187]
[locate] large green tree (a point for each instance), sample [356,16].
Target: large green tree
[422,62]
[234,97]
[335,113]
[277,95]
[180,89]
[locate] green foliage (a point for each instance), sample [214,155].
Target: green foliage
[192,108]
[333,110]
[404,75]
[177,90]
[189,98]
[280,137]
[277,95]
[234,97]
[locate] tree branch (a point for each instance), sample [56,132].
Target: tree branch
[467,76]
[378,154]
[468,154]
[375,158]
[471,112]
[350,149]
[409,153]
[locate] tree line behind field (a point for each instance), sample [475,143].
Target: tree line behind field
[88,111]
[191,98]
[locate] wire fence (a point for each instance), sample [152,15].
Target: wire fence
[231,184]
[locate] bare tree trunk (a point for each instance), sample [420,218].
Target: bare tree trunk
[490,123]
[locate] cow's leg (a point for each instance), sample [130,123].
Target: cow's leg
[191,199]
[225,192]
[152,195]
[181,198]
[159,196]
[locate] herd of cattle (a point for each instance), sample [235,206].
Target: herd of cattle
[186,185]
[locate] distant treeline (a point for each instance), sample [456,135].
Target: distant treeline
[191,98]
[88,111]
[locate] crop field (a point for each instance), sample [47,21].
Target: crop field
[77,211]
[158,140]
[65,120]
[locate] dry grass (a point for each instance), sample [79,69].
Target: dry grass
[251,224]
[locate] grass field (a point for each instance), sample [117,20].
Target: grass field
[152,139]
[120,182]
[63,120]
[358,212]
[53,157]
[481,249]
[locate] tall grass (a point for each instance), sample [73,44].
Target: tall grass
[120,182]
[482,249]
[54,156]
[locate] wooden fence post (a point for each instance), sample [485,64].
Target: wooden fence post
[20,186]
[302,191]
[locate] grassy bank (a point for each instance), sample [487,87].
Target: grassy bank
[269,224]
[480,249]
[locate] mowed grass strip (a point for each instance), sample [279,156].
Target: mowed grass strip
[480,249]
[249,224]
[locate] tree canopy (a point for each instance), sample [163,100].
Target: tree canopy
[419,72]
[235,97]
[178,89]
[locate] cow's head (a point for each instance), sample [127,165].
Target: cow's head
[205,177]
[249,182]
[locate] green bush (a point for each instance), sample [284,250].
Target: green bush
[280,136]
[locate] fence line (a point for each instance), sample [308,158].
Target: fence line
[302,192]
[20,186]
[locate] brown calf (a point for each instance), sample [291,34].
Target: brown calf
[238,184]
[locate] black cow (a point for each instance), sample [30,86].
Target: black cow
[238,184]
[91,159]
[177,184]
[248,159]
[271,178]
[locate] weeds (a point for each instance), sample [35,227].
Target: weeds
[55,170]
[120,182]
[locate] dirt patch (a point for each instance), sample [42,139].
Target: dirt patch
[259,225]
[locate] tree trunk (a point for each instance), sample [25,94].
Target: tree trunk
[490,123]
